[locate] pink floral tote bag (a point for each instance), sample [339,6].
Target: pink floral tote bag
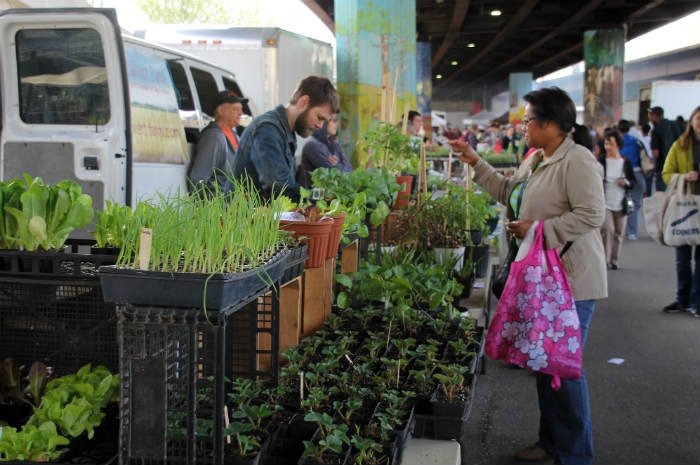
[536,325]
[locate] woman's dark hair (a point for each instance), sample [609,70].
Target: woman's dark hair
[611,133]
[412,114]
[582,136]
[553,104]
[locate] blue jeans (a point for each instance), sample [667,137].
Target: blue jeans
[637,193]
[565,415]
[687,293]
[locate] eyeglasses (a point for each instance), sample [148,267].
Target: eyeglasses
[527,120]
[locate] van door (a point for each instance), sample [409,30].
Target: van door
[64,100]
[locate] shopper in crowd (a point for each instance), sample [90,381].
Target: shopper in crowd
[663,134]
[322,151]
[415,123]
[618,177]
[684,159]
[646,141]
[213,160]
[582,136]
[631,149]
[564,189]
[470,135]
[266,153]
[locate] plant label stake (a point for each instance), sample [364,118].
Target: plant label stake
[301,386]
[145,248]
[226,423]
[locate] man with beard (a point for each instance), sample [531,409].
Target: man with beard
[266,152]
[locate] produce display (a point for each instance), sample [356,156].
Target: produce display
[70,406]
[35,216]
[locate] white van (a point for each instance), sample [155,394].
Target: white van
[82,101]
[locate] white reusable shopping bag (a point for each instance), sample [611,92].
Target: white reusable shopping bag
[681,220]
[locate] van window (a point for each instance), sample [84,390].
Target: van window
[62,76]
[182,87]
[206,89]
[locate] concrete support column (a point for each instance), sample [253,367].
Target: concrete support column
[376,60]
[424,88]
[604,57]
[519,85]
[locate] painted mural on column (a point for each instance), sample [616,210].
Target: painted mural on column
[424,86]
[604,56]
[374,38]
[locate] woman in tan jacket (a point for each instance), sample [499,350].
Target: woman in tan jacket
[563,187]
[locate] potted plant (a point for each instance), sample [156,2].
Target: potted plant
[308,223]
[389,148]
[364,195]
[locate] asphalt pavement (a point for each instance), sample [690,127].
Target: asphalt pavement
[646,410]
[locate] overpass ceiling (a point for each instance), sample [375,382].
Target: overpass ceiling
[540,36]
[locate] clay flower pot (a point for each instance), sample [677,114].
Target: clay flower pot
[315,234]
[336,233]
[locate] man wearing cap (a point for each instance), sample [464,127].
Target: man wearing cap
[663,135]
[218,142]
[266,154]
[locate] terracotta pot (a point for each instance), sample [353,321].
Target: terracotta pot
[316,236]
[336,232]
[406,182]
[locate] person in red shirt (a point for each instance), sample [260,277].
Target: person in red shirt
[211,168]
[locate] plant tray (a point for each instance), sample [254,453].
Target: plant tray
[295,263]
[447,421]
[47,264]
[189,290]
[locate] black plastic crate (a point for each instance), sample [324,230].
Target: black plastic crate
[295,263]
[52,310]
[175,365]
[60,264]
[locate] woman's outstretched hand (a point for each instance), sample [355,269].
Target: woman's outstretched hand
[466,152]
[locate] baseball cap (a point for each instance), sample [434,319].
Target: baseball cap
[228,96]
[656,110]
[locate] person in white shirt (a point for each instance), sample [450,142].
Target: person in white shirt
[618,176]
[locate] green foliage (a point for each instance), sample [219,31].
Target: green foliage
[217,234]
[401,279]
[364,194]
[452,380]
[505,158]
[110,226]
[72,405]
[389,148]
[35,216]
[191,11]
[33,443]
[75,402]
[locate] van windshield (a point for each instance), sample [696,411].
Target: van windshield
[62,76]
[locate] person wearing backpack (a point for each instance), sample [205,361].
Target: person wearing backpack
[632,149]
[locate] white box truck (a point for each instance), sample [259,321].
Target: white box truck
[677,98]
[268,62]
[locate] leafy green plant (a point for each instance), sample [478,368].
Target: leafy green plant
[72,405]
[332,437]
[365,196]
[110,225]
[33,443]
[387,147]
[452,381]
[35,216]
[75,402]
